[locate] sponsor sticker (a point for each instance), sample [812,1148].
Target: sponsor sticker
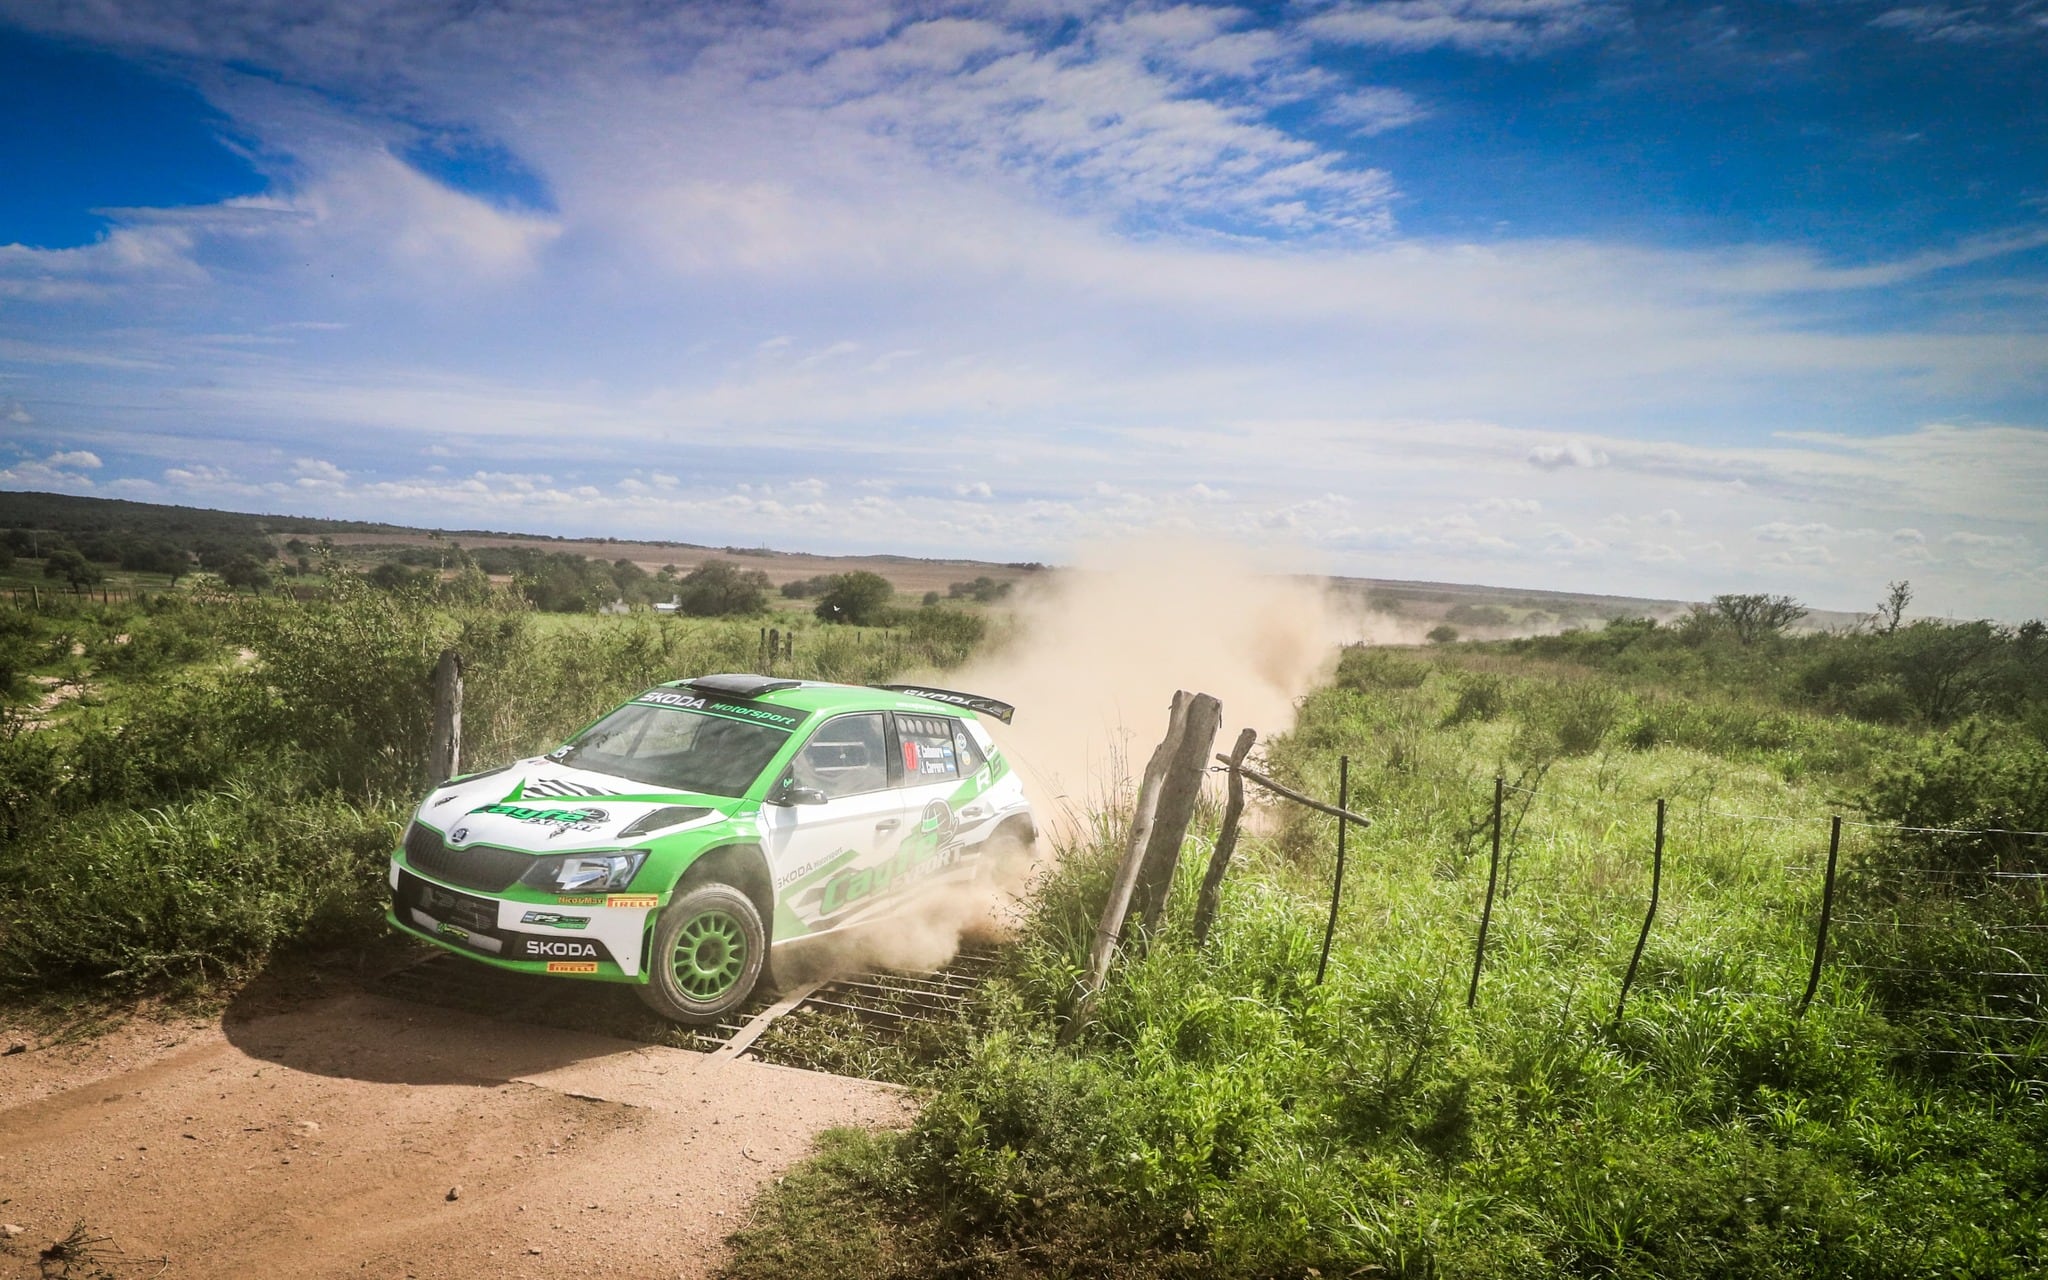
[572,966]
[633,900]
[580,900]
[559,949]
[554,920]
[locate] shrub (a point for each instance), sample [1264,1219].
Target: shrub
[1365,667]
[186,893]
[860,598]
[720,588]
[1481,696]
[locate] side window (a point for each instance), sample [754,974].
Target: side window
[971,757]
[928,751]
[848,756]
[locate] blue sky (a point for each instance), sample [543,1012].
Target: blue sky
[1650,299]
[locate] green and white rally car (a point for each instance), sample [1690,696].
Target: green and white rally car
[673,841]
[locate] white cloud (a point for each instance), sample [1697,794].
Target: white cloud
[316,473]
[1474,26]
[1572,453]
[79,459]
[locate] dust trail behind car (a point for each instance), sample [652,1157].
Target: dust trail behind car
[1095,657]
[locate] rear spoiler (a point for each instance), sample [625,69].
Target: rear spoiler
[973,702]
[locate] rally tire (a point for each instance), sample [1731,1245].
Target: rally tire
[709,952]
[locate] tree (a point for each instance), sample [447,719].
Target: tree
[1947,669]
[72,566]
[1892,611]
[1754,617]
[804,588]
[389,575]
[246,571]
[1444,634]
[157,556]
[860,598]
[720,588]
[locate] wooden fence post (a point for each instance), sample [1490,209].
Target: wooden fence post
[1656,887]
[1827,911]
[444,751]
[1226,838]
[1113,911]
[1337,887]
[1492,880]
[1175,809]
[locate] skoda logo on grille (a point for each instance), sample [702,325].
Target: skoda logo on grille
[459,834]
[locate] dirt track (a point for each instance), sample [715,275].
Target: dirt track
[324,1141]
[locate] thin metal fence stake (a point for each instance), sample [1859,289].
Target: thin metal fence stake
[1492,880]
[1337,889]
[1656,886]
[1827,910]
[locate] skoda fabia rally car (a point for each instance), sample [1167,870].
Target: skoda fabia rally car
[673,841]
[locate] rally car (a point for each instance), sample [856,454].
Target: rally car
[673,841]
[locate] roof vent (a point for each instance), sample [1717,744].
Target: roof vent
[734,685]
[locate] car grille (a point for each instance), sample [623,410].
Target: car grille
[480,866]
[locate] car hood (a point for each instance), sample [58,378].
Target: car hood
[545,807]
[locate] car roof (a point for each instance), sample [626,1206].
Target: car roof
[821,695]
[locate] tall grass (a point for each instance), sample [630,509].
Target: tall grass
[243,766]
[1226,1117]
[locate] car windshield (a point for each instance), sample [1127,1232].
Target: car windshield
[675,749]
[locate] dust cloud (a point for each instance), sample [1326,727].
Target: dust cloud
[1095,655]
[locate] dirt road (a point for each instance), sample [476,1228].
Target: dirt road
[326,1140]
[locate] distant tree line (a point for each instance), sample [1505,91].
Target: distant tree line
[1890,670]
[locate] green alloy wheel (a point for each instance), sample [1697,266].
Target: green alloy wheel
[708,953]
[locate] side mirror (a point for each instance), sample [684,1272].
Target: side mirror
[801,795]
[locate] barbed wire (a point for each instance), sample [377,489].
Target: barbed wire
[1946,973]
[1951,926]
[1941,831]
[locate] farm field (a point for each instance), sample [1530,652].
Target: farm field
[202,829]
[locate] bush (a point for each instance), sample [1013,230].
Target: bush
[720,588]
[1366,667]
[1480,697]
[186,893]
[861,599]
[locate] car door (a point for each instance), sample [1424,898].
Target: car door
[936,809]
[831,857]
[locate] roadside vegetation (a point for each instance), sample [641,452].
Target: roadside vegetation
[192,782]
[1225,1116]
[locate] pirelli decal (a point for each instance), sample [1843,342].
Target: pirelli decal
[639,900]
[572,966]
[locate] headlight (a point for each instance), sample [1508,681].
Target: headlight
[586,872]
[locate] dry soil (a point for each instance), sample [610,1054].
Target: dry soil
[363,1136]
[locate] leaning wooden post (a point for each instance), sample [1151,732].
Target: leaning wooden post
[1492,879]
[1178,792]
[1113,911]
[1226,838]
[444,752]
[1656,886]
[1336,888]
[1827,911]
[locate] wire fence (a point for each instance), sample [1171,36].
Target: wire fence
[1953,958]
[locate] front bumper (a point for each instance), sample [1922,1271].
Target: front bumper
[601,936]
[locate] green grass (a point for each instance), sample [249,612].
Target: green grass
[230,779]
[1226,1117]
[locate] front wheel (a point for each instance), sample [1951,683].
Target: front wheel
[709,948]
